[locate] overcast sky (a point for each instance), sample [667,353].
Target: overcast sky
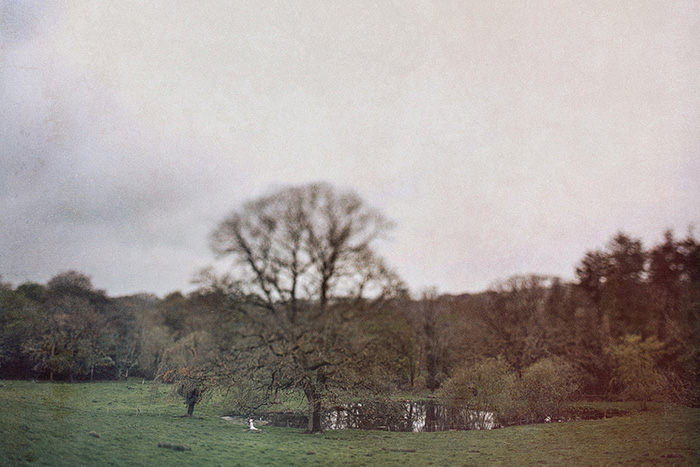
[502,137]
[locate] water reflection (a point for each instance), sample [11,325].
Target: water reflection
[395,416]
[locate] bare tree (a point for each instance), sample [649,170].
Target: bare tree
[515,321]
[310,276]
[435,334]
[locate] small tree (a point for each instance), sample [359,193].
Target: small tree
[190,384]
[188,365]
[635,372]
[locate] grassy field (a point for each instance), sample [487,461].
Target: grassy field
[119,423]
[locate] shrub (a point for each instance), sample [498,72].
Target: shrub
[486,388]
[635,373]
[544,388]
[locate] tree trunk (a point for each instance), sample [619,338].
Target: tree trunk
[53,352]
[315,410]
[314,397]
[193,396]
[431,365]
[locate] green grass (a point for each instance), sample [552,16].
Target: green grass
[51,424]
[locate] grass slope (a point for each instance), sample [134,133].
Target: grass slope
[118,423]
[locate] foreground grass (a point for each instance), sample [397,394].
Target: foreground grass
[118,423]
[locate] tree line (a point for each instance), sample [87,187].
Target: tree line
[308,304]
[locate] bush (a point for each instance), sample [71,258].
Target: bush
[635,373]
[544,389]
[486,388]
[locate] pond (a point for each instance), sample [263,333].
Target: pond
[393,416]
[420,417]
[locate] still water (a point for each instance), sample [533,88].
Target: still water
[394,416]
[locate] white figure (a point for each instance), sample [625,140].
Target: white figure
[251,427]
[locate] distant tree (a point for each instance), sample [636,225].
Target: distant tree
[74,284]
[515,319]
[464,339]
[168,321]
[32,291]
[20,316]
[432,346]
[155,339]
[674,274]
[67,344]
[391,346]
[123,333]
[173,310]
[559,316]
[650,293]
[615,280]
[431,317]
[668,268]
[309,276]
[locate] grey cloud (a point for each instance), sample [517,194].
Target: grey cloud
[501,140]
[21,21]
[82,187]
